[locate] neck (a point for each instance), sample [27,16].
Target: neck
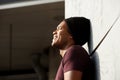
[66,46]
[63,51]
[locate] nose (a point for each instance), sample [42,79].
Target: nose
[54,32]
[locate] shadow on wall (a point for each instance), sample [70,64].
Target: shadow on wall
[46,63]
[94,58]
[40,64]
[95,66]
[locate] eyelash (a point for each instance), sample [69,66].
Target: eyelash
[59,28]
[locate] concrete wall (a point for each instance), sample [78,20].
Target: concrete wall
[102,14]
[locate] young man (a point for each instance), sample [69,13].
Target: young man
[69,37]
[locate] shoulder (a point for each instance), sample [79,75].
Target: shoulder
[76,49]
[76,58]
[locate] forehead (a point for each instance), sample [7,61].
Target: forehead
[62,25]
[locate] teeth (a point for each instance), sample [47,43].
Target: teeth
[55,37]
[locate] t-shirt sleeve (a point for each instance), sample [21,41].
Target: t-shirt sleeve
[75,60]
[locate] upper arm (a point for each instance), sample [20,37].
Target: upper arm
[73,75]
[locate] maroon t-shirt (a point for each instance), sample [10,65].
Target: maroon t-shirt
[75,58]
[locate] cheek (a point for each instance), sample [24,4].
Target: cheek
[64,35]
[61,37]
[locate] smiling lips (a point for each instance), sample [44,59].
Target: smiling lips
[54,37]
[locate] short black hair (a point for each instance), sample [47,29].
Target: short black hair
[79,28]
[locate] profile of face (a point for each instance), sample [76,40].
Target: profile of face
[61,37]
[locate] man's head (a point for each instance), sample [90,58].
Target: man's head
[61,36]
[79,28]
[74,30]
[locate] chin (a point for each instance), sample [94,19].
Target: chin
[53,44]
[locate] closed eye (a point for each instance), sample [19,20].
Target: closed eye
[59,28]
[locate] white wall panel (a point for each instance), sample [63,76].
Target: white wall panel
[102,14]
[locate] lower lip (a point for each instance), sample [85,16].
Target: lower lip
[54,39]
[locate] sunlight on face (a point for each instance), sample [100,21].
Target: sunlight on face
[61,35]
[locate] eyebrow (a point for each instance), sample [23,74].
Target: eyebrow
[58,27]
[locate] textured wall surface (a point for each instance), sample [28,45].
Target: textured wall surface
[102,14]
